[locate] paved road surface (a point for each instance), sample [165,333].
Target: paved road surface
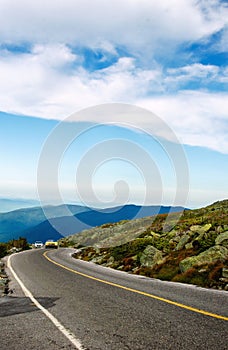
[106,309]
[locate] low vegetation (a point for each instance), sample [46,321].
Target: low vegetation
[193,250]
[13,245]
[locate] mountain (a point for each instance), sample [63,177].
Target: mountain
[15,223]
[83,220]
[126,212]
[54,228]
[7,204]
[32,223]
[192,249]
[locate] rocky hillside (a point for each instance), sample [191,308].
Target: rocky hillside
[194,250]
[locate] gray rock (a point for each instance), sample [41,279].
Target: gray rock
[183,241]
[225,272]
[211,255]
[150,256]
[200,229]
[98,260]
[222,239]
[189,245]
[110,261]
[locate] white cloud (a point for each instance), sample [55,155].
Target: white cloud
[198,118]
[193,71]
[223,43]
[137,24]
[27,79]
[41,84]
[54,56]
[50,81]
[224,76]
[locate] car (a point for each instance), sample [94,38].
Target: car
[50,243]
[38,244]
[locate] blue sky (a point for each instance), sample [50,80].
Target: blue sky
[168,58]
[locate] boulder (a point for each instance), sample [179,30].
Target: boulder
[200,229]
[154,235]
[222,239]
[184,240]
[188,245]
[225,272]
[150,256]
[208,256]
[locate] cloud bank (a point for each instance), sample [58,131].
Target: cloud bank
[169,57]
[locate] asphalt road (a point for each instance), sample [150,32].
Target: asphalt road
[106,309]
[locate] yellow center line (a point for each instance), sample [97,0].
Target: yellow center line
[183,306]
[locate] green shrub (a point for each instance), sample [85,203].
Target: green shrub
[166,273]
[169,268]
[20,243]
[131,248]
[208,241]
[3,250]
[207,275]
[215,272]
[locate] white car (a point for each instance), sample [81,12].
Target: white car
[38,244]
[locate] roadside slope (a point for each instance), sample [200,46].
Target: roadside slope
[193,250]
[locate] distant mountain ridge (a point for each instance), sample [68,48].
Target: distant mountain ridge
[17,222]
[126,212]
[33,224]
[8,204]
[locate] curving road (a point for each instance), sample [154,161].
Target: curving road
[92,307]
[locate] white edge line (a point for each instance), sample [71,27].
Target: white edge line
[54,320]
